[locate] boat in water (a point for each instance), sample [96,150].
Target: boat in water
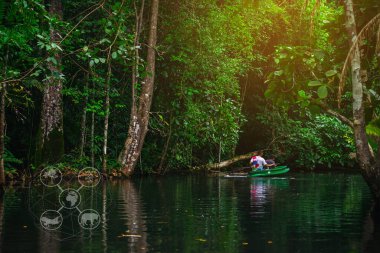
[269,172]
[278,170]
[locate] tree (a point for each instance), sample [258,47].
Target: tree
[50,146]
[366,159]
[140,110]
[3,91]
[2,133]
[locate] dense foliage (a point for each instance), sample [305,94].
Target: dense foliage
[311,141]
[232,76]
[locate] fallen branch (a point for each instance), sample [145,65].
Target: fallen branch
[226,163]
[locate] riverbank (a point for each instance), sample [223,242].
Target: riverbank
[69,173]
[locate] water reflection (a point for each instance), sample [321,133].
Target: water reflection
[1,216]
[371,235]
[259,196]
[47,241]
[104,216]
[262,191]
[133,217]
[307,213]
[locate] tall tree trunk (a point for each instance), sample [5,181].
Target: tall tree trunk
[50,138]
[2,134]
[138,126]
[83,122]
[92,139]
[106,117]
[3,90]
[365,158]
[160,168]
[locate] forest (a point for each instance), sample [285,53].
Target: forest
[155,87]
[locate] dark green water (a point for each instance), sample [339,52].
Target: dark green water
[297,213]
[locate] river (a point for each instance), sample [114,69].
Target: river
[299,212]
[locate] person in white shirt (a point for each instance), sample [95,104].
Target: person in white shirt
[258,162]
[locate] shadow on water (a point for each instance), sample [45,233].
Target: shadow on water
[371,234]
[1,216]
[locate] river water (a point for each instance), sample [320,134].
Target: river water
[311,212]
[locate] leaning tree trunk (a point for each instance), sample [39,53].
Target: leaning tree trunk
[365,158]
[138,125]
[50,137]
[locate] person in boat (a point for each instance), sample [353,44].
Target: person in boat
[271,161]
[259,163]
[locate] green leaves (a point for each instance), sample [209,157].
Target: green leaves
[373,128]
[314,83]
[278,73]
[52,60]
[318,141]
[302,94]
[96,61]
[322,91]
[330,73]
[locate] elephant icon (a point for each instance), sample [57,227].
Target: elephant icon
[89,219]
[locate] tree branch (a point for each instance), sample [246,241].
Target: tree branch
[336,114]
[226,163]
[80,21]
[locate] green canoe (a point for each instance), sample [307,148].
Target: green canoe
[269,172]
